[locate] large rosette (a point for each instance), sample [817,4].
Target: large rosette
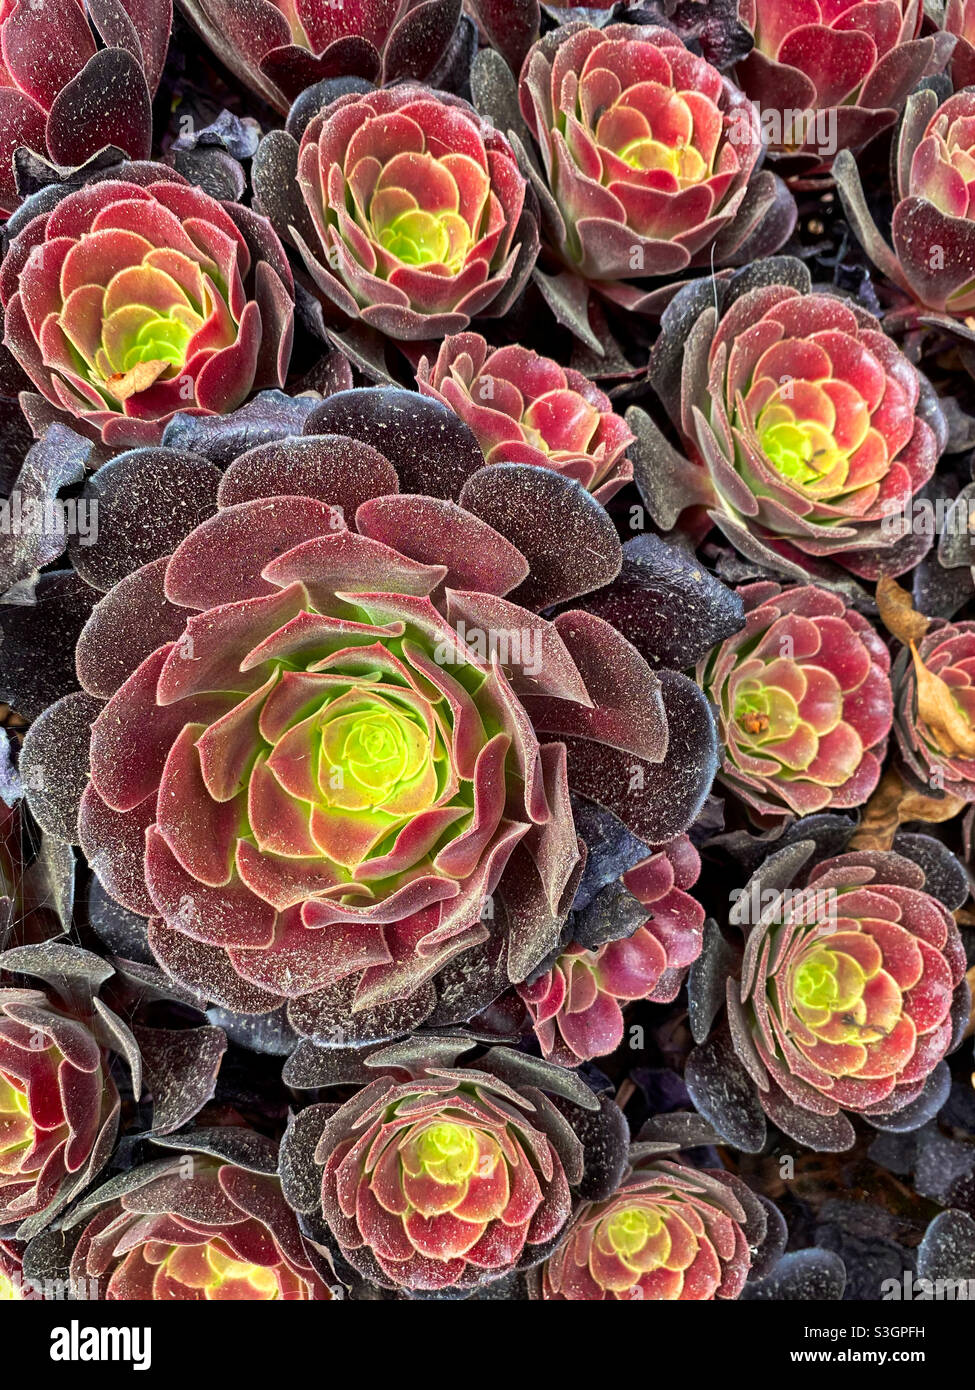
[326,741]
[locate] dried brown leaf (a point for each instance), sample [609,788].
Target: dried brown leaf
[880,819]
[136,379]
[937,707]
[892,805]
[898,614]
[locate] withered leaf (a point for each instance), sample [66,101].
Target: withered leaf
[937,707]
[136,379]
[898,614]
[892,805]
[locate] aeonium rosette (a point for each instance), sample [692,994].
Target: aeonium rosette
[325,739]
[835,73]
[207,1225]
[809,431]
[59,1106]
[408,209]
[281,47]
[933,222]
[63,1054]
[442,1174]
[139,296]
[524,408]
[75,77]
[669,1232]
[934,703]
[803,700]
[846,997]
[576,1005]
[649,158]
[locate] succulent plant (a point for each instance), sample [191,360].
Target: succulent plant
[435,521]
[66,96]
[206,1225]
[576,1006]
[847,65]
[59,1101]
[329,759]
[804,702]
[670,1231]
[59,1106]
[524,408]
[933,223]
[408,209]
[649,159]
[138,296]
[959,19]
[442,1175]
[280,47]
[934,704]
[810,432]
[844,999]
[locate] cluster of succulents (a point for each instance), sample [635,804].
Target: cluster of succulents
[474,794]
